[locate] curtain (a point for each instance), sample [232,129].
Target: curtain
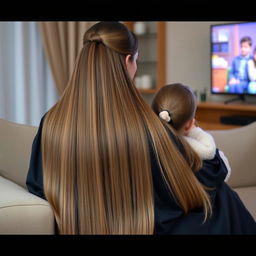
[62,42]
[27,89]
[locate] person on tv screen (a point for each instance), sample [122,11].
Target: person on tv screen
[239,78]
[252,73]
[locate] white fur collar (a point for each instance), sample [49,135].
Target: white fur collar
[202,142]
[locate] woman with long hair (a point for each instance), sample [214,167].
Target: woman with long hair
[103,159]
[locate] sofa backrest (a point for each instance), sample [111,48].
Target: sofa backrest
[15,149]
[239,146]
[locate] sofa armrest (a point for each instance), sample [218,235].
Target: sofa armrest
[247,195]
[22,212]
[239,146]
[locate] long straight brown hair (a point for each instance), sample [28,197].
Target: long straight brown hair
[95,146]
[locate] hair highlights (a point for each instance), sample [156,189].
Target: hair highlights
[95,145]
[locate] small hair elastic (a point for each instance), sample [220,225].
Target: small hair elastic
[165,115]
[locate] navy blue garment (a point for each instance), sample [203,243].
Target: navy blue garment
[34,180]
[229,213]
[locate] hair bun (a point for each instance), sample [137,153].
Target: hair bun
[93,37]
[165,115]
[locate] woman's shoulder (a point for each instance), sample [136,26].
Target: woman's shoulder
[42,122]
[37,139]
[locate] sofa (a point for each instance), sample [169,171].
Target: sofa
[20,211]
[24,213]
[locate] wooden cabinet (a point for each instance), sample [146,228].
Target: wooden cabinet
[208,114]
[150,74]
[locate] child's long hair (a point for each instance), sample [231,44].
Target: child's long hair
[95,146]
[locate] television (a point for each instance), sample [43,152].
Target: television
[233,58]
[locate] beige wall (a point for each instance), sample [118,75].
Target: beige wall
[187,53]
[188,56]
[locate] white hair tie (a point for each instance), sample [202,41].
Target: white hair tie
[165,115]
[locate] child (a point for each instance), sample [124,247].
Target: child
[176,104]
[239,78]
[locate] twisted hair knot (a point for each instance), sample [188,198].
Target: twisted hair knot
[93,37]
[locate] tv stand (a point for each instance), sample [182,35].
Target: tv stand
[239,97]
[209,114]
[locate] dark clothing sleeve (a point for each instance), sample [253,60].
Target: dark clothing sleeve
[213,172]
[34,180]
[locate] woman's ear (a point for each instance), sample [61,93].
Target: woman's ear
[131,65]
[128,59]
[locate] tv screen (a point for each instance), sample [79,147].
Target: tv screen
[233,58]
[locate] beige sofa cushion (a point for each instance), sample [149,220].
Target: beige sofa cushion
[248,196]
[239,145]
[22,212]
[15,149]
